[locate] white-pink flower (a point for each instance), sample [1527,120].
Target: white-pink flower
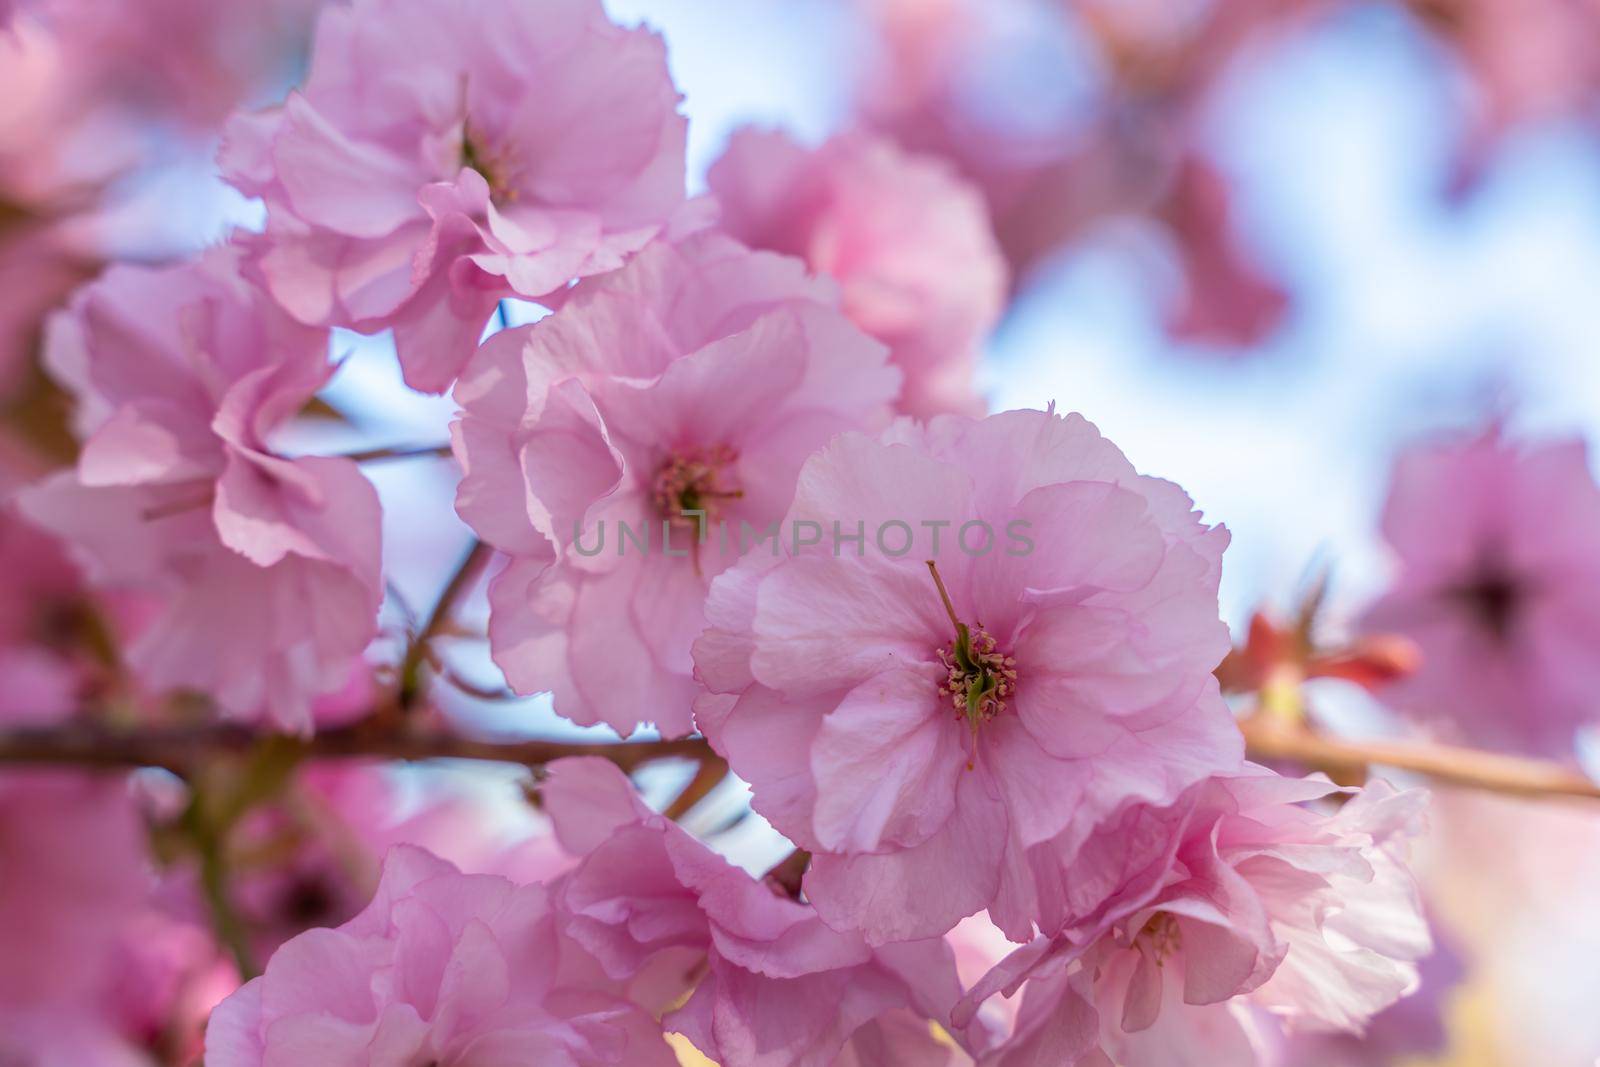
[943,745]
[442,968]
[620,450]
[908,240]
[767,984]
[1238,899]
[441,156]
[267,568]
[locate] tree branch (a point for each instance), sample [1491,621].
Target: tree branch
[180,748]
[466,573]
[374,455]
[1269,740]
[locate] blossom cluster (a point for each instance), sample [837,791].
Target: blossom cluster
[1027,736]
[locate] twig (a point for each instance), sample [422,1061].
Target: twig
[1268,740]
[179,749]
[225,920]
[712,771]
[373,455]
[438,620]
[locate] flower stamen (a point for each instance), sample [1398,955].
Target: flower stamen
[690,487]
[978,677]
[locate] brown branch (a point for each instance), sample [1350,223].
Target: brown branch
[179,749]
[713,770]
[375,455]
[466,573]
[1266,739]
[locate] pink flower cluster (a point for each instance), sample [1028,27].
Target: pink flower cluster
[461,970]
[182,375]
[736,483]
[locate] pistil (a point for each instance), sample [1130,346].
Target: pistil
[978,677]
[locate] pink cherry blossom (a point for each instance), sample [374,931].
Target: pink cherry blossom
[191,60]
[331,830]
[41,616]
[943,747]
[517,146]
[908,240]
[1227,299]
[267,568]
[1499,585]
[772,986]
[1244,892]
[696,379]
[1414,1026]
[72,874]
[441,968]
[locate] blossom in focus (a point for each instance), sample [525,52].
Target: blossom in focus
[1498,583]
[677,397]
[908,240]
[1106,128]
[944,742]
[1239,890]
[442,968]
[72,875]
[771,985]
[514,150]
[181,376]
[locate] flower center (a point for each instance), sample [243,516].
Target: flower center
[695,480]
[1161,936]
[491,165]
[1494,597]
[978,676]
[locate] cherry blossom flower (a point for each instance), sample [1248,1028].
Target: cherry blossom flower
[191,60]
[1412,1027]
[1499,586]
[441,968]
[512,151]
[1240,890]
[908,240]
[672,403]
[1227,299]
[267,568]
[772,986]
[41,617]
[943,727]
[74,873]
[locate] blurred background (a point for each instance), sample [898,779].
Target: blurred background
[1262,244]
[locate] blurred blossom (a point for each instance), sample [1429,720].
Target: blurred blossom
[1227,298]
[42,625]
[178,491]
[72,874]
[1526,62]
[1415,1025]
[183,61]
[908,241]
[1498,583]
